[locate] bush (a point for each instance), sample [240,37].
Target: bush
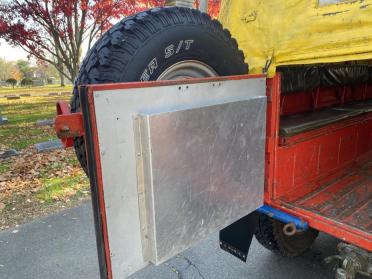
[11,81]
[26,82]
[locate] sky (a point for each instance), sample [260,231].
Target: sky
[10,53]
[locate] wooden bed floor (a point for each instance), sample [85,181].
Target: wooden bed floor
[346,200]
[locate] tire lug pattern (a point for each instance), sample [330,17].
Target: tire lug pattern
[101,64]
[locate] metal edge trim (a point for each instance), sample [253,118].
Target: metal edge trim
[146,84]
[93,178]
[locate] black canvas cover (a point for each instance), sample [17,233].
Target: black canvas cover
[299,78]
[338,75]
[307,77]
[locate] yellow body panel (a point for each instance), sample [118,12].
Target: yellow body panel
[289,32]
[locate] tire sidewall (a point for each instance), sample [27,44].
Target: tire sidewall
[143,46]
[176,44]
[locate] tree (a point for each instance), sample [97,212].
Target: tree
[25,68]
[43,71]
[213,7]
[54,31]
[11,81]
[15,73]
[5,69]
[26,82]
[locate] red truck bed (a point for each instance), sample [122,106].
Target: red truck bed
[319,162]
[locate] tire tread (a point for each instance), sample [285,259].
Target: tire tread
[102,63]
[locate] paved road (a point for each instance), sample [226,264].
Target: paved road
[63,246]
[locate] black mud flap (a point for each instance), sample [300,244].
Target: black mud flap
[237,238]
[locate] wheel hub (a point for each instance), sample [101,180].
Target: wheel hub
[186,70]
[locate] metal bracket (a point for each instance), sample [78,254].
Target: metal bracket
[284,217]
[351,261]
[68,125]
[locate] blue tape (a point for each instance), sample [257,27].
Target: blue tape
[283,217]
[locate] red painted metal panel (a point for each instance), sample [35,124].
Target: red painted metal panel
[361,217]
[323,97]
[285,162]
[317,175]
[364,137]
[272,133]
[328,152]
[346,233]
[328,96]
[315,199]
[305,161]
[296,103]
[348,146]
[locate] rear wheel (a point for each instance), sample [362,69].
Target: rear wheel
[270,234]
[159,44]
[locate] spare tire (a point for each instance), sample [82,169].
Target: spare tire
[162,43]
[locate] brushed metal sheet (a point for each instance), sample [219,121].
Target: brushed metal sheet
[115,110]
[203,169]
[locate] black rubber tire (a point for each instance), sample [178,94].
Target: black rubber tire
[269,234]
[127,50]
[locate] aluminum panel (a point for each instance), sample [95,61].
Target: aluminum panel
[114,111]
[203,169]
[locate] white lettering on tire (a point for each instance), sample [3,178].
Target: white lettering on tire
[188,44]
[169,51]
[153,65]
[145,76]
[183,44]
[179,46]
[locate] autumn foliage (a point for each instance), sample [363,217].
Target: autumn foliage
[213,7]
[56,31]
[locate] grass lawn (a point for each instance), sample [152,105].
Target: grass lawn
[35,184]
[23,113]
[37,90]
[21,131]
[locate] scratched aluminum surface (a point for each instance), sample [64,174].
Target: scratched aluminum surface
[203,170]
[115,110]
